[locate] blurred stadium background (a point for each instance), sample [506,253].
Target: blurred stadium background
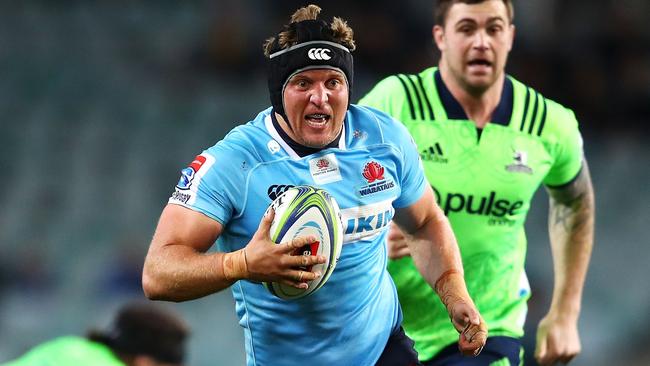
[103,102]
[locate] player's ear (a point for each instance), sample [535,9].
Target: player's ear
[512,36]
[439,36]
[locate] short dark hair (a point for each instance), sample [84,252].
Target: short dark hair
[442,9]
[142,328]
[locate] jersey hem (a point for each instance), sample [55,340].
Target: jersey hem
[199,210]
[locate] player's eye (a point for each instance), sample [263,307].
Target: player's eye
[495,29]
[333,83]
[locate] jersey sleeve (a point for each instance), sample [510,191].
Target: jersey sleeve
[410,171]
[568,149]
[388,96]
[413,180]
[208,183]
[385,96]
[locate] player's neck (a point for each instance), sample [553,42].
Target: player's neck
[478,105]
[287,135]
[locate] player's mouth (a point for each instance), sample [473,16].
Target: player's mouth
[317,120]
[479,64]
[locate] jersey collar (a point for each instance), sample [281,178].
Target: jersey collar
[293,148]
[501,114]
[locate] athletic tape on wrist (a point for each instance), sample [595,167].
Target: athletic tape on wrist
[443,277]
[235,266]
[450,287]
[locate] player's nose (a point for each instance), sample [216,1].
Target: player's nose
[480,40]
[319,94]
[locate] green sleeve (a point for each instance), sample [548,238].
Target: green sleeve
[567,147]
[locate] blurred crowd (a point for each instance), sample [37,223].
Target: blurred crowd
[592,55]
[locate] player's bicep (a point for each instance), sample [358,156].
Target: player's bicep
[414,217]
[180,225]
[578,188]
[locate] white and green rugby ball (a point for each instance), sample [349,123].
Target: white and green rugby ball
[302,211]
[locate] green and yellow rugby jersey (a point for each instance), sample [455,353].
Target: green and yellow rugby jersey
[484,180]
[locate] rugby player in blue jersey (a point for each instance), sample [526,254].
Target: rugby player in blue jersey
[366,160]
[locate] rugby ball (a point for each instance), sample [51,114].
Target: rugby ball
[301,211]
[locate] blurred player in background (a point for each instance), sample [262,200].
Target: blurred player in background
[142,334]
[311,135]
[487,143]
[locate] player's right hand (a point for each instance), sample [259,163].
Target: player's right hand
[397,245]
[270,262]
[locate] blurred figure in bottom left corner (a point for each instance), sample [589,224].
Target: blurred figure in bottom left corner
[141,334]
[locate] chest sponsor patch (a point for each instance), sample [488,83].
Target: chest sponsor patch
[365,222]
[325,169]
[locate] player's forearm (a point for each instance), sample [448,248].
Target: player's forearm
[572,239]
[436,254]
[571,230]
[179,273]
[434,249]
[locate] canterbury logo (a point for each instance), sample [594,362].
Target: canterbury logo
[319,54]
[276,190]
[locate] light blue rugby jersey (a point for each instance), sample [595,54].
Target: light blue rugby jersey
[375,169]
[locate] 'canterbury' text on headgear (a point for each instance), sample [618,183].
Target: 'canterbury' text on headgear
[316,48]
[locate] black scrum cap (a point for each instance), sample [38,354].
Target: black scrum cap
[316,48]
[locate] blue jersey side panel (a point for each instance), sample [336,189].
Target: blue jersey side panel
[349,320]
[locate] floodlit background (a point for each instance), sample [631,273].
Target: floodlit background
[103,102]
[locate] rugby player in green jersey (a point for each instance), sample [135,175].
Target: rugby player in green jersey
[487,143]
[142,334]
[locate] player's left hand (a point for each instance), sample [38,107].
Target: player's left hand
[464,315]
[558,340]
